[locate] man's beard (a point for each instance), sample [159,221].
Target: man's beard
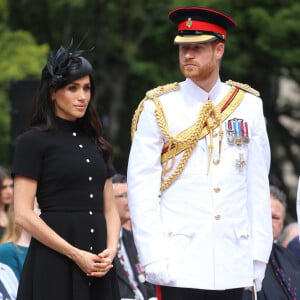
[202,73]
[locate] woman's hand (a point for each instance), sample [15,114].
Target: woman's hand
[108,253]
[91,264]
[103,263]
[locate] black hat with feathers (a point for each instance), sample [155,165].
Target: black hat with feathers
[65,66]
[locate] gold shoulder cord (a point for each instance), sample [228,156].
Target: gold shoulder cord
[154,93]
[209,118]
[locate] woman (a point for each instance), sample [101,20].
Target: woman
[6,188]
[14,243]
[64,161]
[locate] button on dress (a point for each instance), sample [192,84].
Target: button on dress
[71,174]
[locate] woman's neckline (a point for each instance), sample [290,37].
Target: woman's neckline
[66,124]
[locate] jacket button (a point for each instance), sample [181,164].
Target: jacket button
[217,217]
[216,161]
[217,189]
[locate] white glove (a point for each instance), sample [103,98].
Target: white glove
[259,269]
[157,273]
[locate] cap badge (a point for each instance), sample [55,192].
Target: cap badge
[189,23]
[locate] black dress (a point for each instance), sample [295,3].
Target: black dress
[71,174]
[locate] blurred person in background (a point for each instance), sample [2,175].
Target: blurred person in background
[15,242]
[282,277]
[8,283]
[6,190]
[294,247]
[131,277]
[278,210]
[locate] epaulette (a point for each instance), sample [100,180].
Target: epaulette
[163,89]
[244,87]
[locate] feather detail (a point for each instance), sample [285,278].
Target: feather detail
[63,62]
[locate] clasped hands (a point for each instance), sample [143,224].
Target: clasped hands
[95,264]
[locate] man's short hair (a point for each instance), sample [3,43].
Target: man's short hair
[276,193]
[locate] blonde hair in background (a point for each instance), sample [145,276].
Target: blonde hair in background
[12,232]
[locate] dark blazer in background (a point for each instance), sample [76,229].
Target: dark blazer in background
[146,288]
[294,247]
[282,277]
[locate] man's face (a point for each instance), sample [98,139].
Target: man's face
[120,195]
[278,216]
[199,62]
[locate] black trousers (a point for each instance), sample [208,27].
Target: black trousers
[174,293]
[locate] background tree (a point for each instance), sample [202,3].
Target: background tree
[134,53]
[20,57]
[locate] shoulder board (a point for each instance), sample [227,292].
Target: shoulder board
[163,89]
[243,86]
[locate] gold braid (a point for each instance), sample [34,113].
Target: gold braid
[208,115]
[136,116]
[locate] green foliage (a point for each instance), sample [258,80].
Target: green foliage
[20,58]
[3,12]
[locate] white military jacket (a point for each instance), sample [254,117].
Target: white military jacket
[210,227]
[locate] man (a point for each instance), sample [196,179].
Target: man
[131,277]
[198,173]
[278,209]
[282,277]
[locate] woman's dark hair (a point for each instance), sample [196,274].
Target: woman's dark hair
[43,115]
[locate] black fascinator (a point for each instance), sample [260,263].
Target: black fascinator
[65,66]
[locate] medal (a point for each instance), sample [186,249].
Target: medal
[237,133]
[245,133]
[240,162]
[229,133]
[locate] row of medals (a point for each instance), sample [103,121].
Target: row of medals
[237,134]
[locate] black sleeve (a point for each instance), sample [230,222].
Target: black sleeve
[28,155]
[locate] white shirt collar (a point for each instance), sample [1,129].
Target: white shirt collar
[197,93]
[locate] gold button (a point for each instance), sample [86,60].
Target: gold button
[217,189]
[217,217]
[216,161]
